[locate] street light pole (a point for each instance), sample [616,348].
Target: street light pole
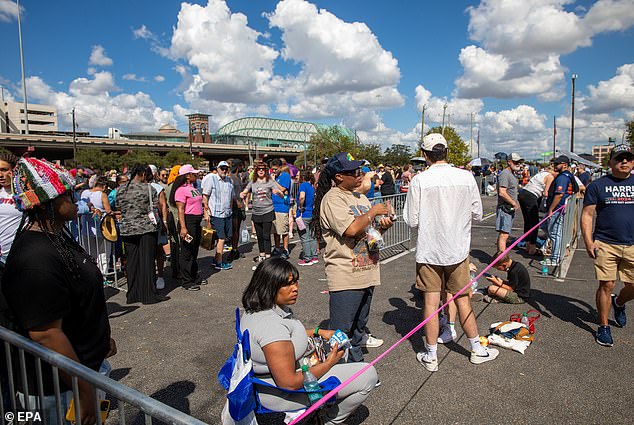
[444,109]
[572,117]
[26,112]
[471,134]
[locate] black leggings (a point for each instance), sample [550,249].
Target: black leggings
[263,232]
[530,211]
[188,258]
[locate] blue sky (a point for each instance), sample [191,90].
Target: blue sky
[370,65]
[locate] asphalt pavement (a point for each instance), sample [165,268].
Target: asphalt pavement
[172,351]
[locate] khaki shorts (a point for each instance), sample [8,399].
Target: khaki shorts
[613,260]
[430,278]
[281,223]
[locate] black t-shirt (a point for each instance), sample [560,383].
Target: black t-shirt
[387,188]
[39,289]
[519,280]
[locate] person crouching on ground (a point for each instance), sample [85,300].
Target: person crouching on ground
[279,341]
[54,289]
[516,289]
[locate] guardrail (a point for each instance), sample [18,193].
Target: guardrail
[398,237]
[571,229]
[86,230]
[15,344]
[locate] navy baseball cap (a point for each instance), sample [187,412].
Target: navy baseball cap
[342,162]
[621,150]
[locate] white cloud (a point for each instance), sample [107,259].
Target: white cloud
[97,109]
[133,77]
[456,114]
[144,33]
[335,55]
[98,57]
[8,11]
[521,129]
[230,63]
[615,94]
[521,43]
[159,78]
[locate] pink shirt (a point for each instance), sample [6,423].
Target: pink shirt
[191,197]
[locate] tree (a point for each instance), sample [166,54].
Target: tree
[397,155]
[371,153]
[330,141]
[458,153]
[98,160]
[179,157]
[629,133]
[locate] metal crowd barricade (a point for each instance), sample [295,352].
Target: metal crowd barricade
[124,395]
[571,231]
[88,235]
[398,237]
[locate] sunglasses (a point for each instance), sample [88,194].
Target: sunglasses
[353,173]
[626,158]
[224,168]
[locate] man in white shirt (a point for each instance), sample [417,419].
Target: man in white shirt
[218,197]
[441,203]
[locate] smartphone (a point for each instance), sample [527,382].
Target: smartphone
[104,409]
[189,238]
[487,275]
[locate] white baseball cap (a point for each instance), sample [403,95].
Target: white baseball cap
[432,140]
[223,164]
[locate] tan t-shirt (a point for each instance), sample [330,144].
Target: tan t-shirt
[349,262]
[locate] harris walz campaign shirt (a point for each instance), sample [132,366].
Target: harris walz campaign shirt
[614,200]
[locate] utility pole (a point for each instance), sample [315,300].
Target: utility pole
[444,109]
[478,143]
[554,135]
[471,134]
[572,118]
[26,112]
[74,141]
[422,129]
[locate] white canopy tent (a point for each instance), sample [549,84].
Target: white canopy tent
[576,158]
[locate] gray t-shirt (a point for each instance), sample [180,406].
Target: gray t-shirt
[261,193]
[509,181]
[276,324]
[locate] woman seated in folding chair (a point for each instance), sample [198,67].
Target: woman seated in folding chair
[279,342]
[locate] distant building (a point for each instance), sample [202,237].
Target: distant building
[42,118]
[600,151]
[167,133]
[199,128]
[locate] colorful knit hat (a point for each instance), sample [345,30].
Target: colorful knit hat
[37,181]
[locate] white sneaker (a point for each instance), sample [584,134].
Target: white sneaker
[369,341]
[429,363]
[447,335]
[490,354]
[160,283]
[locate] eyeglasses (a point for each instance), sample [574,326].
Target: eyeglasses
[224,168]
[353,173]
[163,175]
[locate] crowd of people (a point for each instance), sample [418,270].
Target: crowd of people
[338,210]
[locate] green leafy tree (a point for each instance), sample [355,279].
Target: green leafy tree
[98,160]
[330,141]
[179,157]
[397,155]
[371,153]
[458,151]
[629,133]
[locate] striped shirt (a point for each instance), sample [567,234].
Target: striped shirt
[220,193]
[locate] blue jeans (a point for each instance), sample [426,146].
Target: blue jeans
[349,311]
[555,230]
[309,244]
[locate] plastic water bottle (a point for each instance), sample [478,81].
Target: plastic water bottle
[544,269]
[474,284]
[311,384]
[524,320]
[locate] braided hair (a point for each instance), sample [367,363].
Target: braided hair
[178,182]
[324,184]
[9,158]
[44,217]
